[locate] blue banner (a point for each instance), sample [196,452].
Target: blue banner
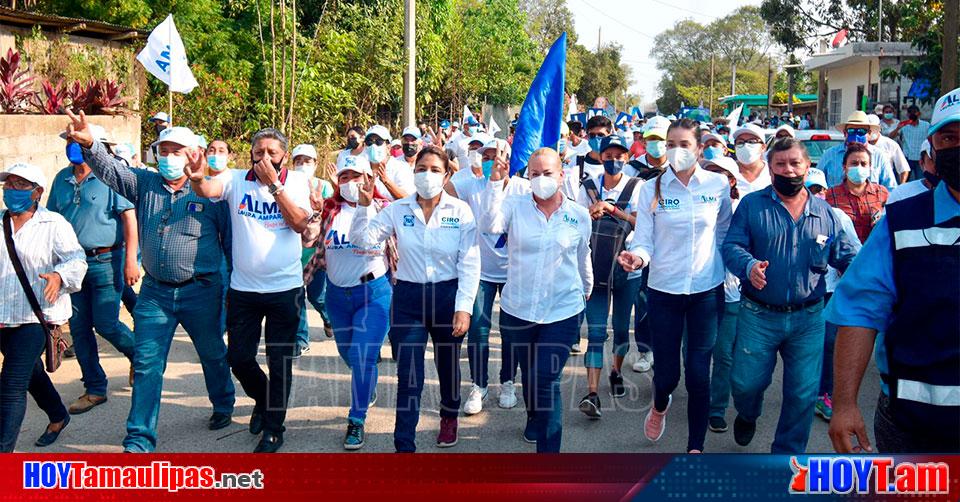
[542,111]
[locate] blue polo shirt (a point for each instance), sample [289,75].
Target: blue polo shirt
[881,170]
[91,207]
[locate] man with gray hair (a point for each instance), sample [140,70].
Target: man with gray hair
[269,207]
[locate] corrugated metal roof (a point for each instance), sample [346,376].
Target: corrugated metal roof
[71,25]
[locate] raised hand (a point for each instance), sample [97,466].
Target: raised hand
[52,290]
[316,198]
[265,171]
[196,164]
[332,172]
[78,129]
[366,191]
[501,168]
[758,275]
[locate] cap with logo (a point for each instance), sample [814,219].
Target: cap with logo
[748,129]
[413,132]
[355,163]
[816,177]
[305,150]
[946,111]
[656,127]
[26,171]
[380,131]
[182,136]
[707,136]
[160,117]
[612,141]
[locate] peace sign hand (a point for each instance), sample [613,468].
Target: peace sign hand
[78,130]
[196,164]
[366,191]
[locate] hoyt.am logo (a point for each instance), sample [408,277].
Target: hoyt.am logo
[876,475]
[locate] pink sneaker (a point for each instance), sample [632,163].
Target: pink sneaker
[448,433]
[656,422]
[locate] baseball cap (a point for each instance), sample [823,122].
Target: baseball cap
[304,149]
[612,141]
[202,141]
[411,131]
[657,126]
[493,143]
[355,163]
[714,136]
[471,121]
[124,151]
[380,131]
[946,111]
[455,124]
[789,129]
[816,177]
[482,138]
[723,162]
[26,171]
[160,117]
[748,129]
[444,124]
[180,135]
[925,148]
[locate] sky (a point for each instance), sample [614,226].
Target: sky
[634,23]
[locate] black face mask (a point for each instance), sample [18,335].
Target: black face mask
[948,166]
[352,143]
[786,186]
[409,150]
[159,128]
[276,165]
[931,178]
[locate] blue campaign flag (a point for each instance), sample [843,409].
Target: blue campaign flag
[622,119]
[593,112]
[579,117]
[542,111]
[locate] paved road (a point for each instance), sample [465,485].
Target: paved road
[321,399]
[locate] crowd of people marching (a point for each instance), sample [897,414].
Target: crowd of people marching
[717,244]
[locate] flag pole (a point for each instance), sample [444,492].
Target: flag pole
[169,90]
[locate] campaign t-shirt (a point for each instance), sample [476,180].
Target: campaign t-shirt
[400,172]
[266,252]
[347,263]
[493,247]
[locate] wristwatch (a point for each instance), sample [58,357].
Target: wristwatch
[275,188]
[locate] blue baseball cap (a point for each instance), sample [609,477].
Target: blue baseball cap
[946,111]
[612,141]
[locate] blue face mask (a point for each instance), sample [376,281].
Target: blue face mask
[74,153]
[858,174]
[171,167]
[657,148]
[713,152]
[888,116]
[613,167]
[18,201]
[487,168]
[854,137]
[595,143]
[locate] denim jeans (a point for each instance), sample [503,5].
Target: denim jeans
[700,312]
[419,311]
[829,340]
[542,350]
[361,315]
[597,311]
[97,306]
[160,308]
[723,360]
[478,338]
[798,337]
[23,372]
[128,298]
[245,321]
[315,292]
[641,317]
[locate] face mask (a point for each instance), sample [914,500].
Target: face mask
[714,152]
[74,153]
[888,116]
[788,187]
[748,154]
[948,166]
[375,154]
[562,148]
[613,167]
[856,138]
[307,168]
[18,201]
[277,166]
[595,144]
[544,187]
[159,128]
[410,150]
[487,168]
[217,162]
[429,184]
[681,159]
[171,167]
[656,148]
[931,178]
[858,174]
[350,191]
[352,143]
[475,159]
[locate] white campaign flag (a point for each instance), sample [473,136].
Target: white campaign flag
[467,115]
[165,57]
[573,107]
[733,119]
[494,128]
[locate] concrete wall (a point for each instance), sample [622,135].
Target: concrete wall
[35,138]
[849,77]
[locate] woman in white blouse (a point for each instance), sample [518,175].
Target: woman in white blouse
[549,278]
[438,274]
[684,215]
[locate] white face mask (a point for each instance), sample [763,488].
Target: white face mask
[748,154]
[350,191]
[376,154]
[681,159]
[307,168]
[429,184]
[544,187]
[217,162]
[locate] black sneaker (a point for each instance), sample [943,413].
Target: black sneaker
[269,443]
[718,424]
[354,438]
[590,406]
[616,385]
[218,421]
[530,432]
[743,431]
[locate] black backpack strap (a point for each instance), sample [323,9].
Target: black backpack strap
[21,274]
[580,161]
[591,188]
[624,200]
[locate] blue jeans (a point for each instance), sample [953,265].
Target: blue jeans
[598,308]
[700,312]
[316,292]
[23,372]
[160,308]
[723,360]
[542,350]
[419,311]
[478,338]
[641,319]
[97,306]
[362,316]
[798,337]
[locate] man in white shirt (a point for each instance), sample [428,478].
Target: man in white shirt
[269,207]
[912,133]
[891,148]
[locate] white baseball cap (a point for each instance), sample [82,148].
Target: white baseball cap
[925,148]
[380,131]
[789,129]
[714,136]
[26,171]
[202,141]
[305,149]
[124,151]
[355,163]
[723,162]
[482,138]
[160,117]
[411,131]
[748,129]
[180,135]
[946,111]
[657,126]
[816,177]
[492,144]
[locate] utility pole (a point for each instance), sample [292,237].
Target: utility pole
[769,85]
[733,80]
[948,73]
[598,39]
[789,68]
[880,21]
[410,75]
[710,106]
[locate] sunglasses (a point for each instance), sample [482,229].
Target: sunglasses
[859,131]
[371,141]
[597,135]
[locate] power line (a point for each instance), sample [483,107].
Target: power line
[621,23]
[665,4]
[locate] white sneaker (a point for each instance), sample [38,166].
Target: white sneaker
[575,348]
[643,363]
[508,394]
[474,402]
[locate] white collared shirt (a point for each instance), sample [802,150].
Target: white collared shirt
[744,187]
[493,247]
[45,243]
[438,250]
[681,238]
[401,174]
[548,261]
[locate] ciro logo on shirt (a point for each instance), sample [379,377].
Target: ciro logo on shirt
[669,204]
[449,222]
[408,220]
